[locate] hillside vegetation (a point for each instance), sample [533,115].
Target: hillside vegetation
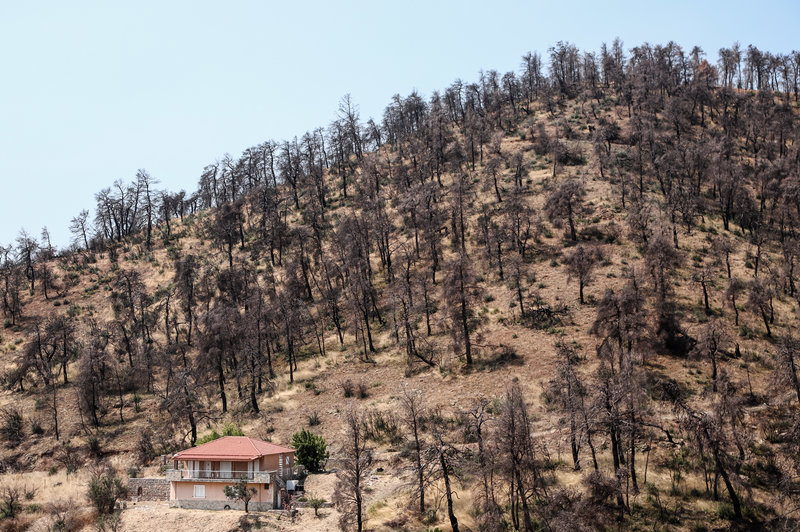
[561,299]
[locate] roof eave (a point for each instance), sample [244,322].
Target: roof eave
[222,457]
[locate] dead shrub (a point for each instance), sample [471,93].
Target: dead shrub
[10,502]
[13,428]
[64,517]
[17,524]
[381,426]
[348,388]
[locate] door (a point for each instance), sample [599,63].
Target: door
[207,470]
[225,470]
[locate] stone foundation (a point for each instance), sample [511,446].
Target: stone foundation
[148,489]
[196,504]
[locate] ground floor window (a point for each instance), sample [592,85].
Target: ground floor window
[199,491]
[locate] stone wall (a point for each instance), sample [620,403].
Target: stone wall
[148,489]
[200,504]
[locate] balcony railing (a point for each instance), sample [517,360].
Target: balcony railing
[206,474]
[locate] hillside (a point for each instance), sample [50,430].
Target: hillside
[585,282]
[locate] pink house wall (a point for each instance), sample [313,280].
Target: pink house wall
[214,491]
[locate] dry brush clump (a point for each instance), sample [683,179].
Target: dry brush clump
[105,490]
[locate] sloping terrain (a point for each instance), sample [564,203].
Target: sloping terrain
[588,287]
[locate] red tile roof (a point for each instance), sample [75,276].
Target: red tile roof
[232,448]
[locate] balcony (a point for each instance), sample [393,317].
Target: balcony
[217,475]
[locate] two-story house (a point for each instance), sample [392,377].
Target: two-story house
[201,473]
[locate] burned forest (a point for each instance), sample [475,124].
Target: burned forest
[558,298]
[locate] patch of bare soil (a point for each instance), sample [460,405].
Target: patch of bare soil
[158,516]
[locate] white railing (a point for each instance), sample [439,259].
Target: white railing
[206,474]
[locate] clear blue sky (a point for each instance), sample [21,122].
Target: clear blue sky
[92,91]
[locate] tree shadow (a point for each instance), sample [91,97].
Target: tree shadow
[497,357]
[248,522]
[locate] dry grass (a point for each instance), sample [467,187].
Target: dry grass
[450,388]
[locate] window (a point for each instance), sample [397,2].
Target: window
[287,460]
[199,491]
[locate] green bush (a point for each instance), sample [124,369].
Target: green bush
[746,332]
[145,449]
[229,429]
[12,429]
[105,523]
[105,489]
[214,435]
[95,446]
[316,503]
[311,450]
[10,504]
[429,518]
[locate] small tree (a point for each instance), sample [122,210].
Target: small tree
[63,513]
[311,450]
[68,457]
[414,413]
[460,296]
[10,504]
[564,203]
[446,455]
[662,260]
[722,248]
[580,265]
[713,342]
[105,489]
[735,288]
[759,301]
[316,503]
[240,492]
[354,472]
[786,369]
